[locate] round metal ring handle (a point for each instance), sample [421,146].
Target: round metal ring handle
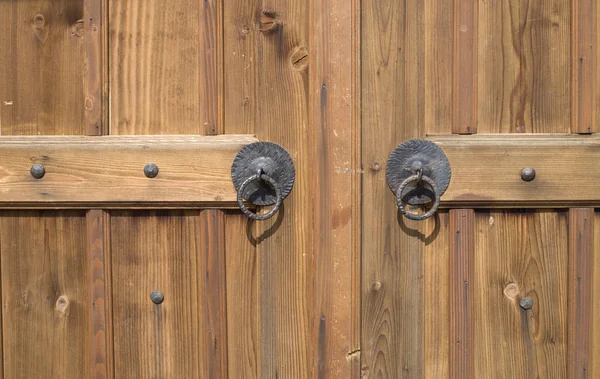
[415,178]
[273,185]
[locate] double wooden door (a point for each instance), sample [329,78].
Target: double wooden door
[502,282]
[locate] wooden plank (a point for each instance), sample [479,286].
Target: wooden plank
[268,93]
[518,255]
[336,180]
[465,67]
[46,298]
[172,252]
[438,58]
[437,295]
[461,291]
[94,13]
[41,55]
[163,66]
[524,83]
[392,98]
[594,367]
[242,293]
[486,170]
[581,239]
[85,171]
[97,224]
[583,66]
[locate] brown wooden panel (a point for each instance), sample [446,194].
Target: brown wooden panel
[438,58]
[581,239]
[336,175]
[95,21]
[83,171]
[436,307]
[461,290]
[41,67]
[465,67]
[162,66]
[518,255]
[583,63]
[594,366]
[392,264]
[524,78]
[99,274]
[242,302]
[46,300]
[267,92]
[486,169]
[177,253]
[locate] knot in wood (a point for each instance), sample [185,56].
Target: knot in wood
[269,22]
[62,305]
[39,21]
[299,58]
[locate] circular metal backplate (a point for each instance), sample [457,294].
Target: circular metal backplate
[274,161]
[404,162]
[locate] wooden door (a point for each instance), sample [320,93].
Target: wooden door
[338,284]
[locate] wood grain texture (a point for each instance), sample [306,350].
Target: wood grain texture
[266,92]
[242,298]
[45,295]
[594,364]
[96,67]
[83,171]
[461,292]
[163,66]
[173,252]
[101,349]
[392,95]
[517,255]
[41,55]
[581,249]
[583,66]
[436,307]
[465,67]
[524,75]
[486,170]
[335,130]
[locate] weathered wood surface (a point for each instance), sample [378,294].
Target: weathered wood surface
[87,171]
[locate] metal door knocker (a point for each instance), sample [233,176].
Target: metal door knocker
[263,174]
[418,172]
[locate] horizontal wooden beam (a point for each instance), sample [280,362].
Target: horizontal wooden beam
[486,170]
[108,172]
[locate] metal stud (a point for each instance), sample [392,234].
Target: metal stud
[151,170]
[528,174]
[37,171]
[526,303]
[157,297]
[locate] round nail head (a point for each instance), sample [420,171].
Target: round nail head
[526,303]
[37,171]
[528,174]
[157,297]
[151,170]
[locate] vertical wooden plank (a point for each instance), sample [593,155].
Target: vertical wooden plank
[336,179]
[94,85]
[156,54]
[437,295]
[99,264]
[595,307]
[461,289]
[520,255]
[465,67]
[524,78]
[439,62]
[172,252]
[583,66]
[581,238]
[41,55]
[45,295]
[392,95]
[242,292]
